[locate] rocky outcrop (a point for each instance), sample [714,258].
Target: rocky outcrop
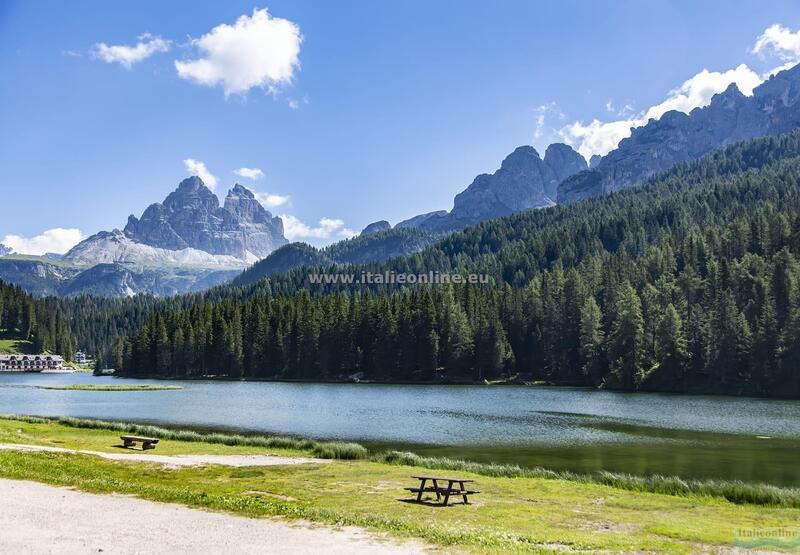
[376,227]
[677,137]
[191,217]
[524,182]
[114,247]
[564,162]
[422,220]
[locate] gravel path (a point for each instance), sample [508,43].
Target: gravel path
[39,519]
[175,461]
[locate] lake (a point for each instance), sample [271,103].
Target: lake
[553,427]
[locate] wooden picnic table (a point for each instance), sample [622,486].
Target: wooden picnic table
[147,442]
[441,491]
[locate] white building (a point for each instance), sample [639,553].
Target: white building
[30,363]
[82,358]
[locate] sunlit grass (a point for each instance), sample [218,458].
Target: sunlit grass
[730,490]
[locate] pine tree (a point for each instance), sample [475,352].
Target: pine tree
[671,352]
[626,342]
[591,340]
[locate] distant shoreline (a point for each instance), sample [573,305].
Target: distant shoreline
[507,383]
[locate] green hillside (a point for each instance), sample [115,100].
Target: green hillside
[9,344]
[691,283]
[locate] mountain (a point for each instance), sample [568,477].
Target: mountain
[376,227]
[5,251]
[191,217]
[422,219]
[110,247]
[523,182]
[186,243]
[677,137]
[687,284]
[378,246]
[42,276]
[116,280]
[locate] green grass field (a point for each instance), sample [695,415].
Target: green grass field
[10,344]
[524,514]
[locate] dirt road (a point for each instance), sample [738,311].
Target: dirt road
[37,518]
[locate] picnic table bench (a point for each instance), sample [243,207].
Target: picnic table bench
[443,491]
[147,442]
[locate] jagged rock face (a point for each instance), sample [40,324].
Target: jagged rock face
[423,219]
[774,108]
[564,162]
[594,161]
[523,182]
[519,184]
[376,227]
[191,217]
[114,247]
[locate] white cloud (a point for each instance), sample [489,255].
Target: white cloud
[600,137]
[328,228]
[271,200]
[779,41]
[57,240]
[698,90]
[293,104]
[198,168]
[249,173]
[256,51]
[126,56]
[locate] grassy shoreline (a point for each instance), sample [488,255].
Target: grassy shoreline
[734,491]
[518,510]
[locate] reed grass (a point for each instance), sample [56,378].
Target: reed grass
[323,450]
[734,491]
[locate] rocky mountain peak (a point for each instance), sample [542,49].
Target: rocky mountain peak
[376,227]
[240,191]
[192,193]
[191,217]
[523,182]
[522,155]
[774,108]
[564,161]
[242,203]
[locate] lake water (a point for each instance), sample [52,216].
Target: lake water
[559,428]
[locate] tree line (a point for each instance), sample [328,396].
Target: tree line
[36,320]
[688,284]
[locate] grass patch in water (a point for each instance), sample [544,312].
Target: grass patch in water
[95,387]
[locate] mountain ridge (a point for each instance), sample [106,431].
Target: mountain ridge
[524,181]
[678,137]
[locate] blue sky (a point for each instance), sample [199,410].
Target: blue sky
[355,111]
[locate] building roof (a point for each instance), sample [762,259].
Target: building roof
[30,357]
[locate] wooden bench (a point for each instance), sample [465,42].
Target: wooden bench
[131,441]
[443,491]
